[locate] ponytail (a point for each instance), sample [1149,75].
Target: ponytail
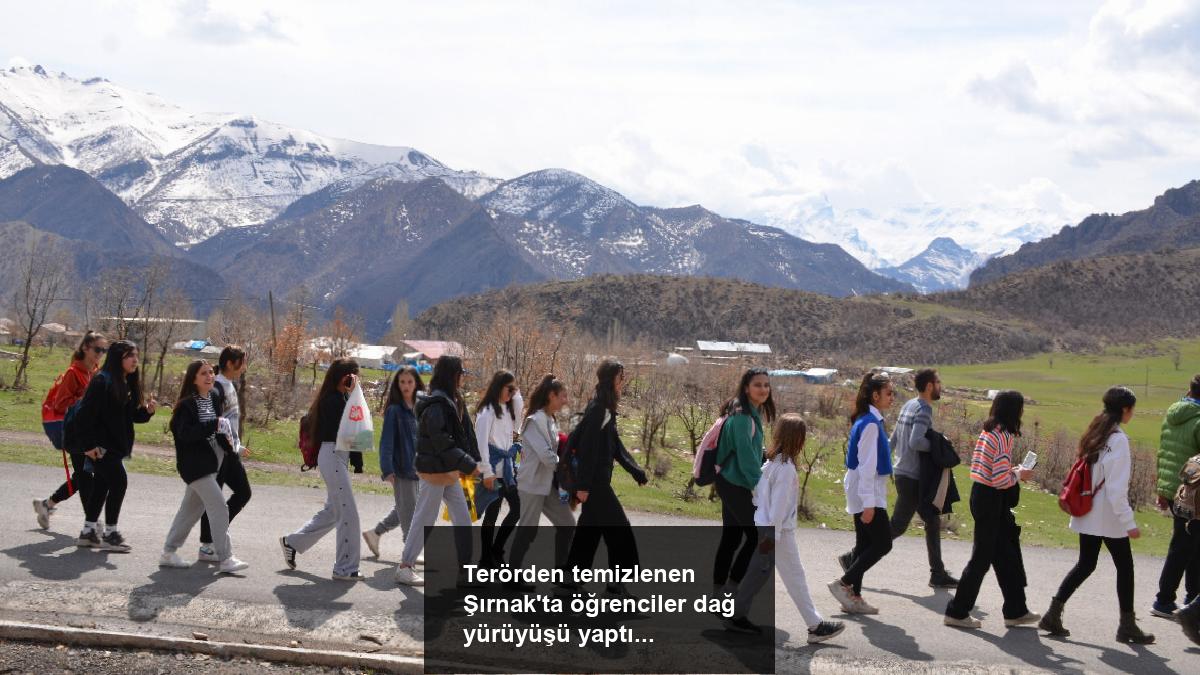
[1116,400]
[540,397]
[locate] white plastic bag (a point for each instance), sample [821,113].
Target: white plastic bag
[356,433]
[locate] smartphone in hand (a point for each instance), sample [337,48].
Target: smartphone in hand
[1030,461]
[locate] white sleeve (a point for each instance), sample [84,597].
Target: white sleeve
[518,402]
[483,435]
[1117,483]
[868,459]
[763,500]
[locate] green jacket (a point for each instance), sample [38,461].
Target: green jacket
[740,449]
[1180,441]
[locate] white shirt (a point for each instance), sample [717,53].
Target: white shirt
[1111,515]
[496,430]
[864,487]
[231,412]
[777,495]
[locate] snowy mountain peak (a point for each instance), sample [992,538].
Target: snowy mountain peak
[943,265]
[557,195]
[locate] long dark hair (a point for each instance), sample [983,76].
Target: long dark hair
[540,397]
[1006,412]
[124,386]
[188,388]
[871,383]
[606,384]
[90,338]
[741,400]
[393,395]
[491,397]
[1116,400]
[445,377]
[338,370]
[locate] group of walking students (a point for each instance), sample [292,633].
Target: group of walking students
[509,452]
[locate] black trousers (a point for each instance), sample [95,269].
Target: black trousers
[108,489]
[602,517]
[997,546]
[1089,554]
[81,481]
[872,541]
[493,541]
[1182,563]
[233,474]
[908,502]
[737,528]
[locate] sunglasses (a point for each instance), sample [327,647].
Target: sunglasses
[511,388]
[100,350]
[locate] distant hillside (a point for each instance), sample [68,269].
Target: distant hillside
[1172,222]
[667,311]
[1128,298]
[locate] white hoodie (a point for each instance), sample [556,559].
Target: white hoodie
[777,495]
[1111,515]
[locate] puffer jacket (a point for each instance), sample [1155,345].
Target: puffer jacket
[445,436]
[1180,440]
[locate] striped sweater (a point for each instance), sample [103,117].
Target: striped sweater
[992,461]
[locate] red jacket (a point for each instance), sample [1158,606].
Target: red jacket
[67,389]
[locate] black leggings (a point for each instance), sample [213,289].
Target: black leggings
[81,481]
[737,527]
[872,541]
[108,489]
[601,517]
[1089,553]
[493,541]
[233,474]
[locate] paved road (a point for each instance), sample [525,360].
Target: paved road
[43,577]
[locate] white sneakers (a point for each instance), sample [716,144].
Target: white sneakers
[372,539]
[231,565]
[1030,618]
[969,622]
[172,559]
[408,576]
[207,554]
[851,603]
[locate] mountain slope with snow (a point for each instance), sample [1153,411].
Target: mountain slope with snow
[942,266]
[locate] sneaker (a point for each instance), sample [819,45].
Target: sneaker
[421,559]
[740,624]
[825,630]
[207,554]
[353,576]
[846,560]
[289,553]
[1030,618]
[372,539]
[172,559]
[88,539]
[113,541]
[42,510]
[968,622]
[1164,610]
[408,576]
[231,565]
[860,606]
[942,580]
[843,594]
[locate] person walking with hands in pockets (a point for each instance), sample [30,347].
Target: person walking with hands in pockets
[397,454]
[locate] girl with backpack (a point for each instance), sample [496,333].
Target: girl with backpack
[599,446]
[446,451]
[202,444]
[340,512]
[740,456]
[107,412]
[68,388]
[397,454]
[868,467]
[535,478]
[995,491]
[776,497]
[496,418]
[1110,522]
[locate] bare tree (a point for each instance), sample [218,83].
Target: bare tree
[400,324]
[343,332]
[41,281]
[173,309]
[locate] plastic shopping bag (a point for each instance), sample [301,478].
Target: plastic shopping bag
[356,433]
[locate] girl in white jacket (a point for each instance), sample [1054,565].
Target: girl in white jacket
[776,498]
[1110,521]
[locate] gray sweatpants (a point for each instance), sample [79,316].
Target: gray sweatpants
[405,494]
[201,496]
[339,512]
[559,515]
[429,501]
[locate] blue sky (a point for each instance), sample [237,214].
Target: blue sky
[739,106]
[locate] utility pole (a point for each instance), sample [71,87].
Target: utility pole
[274,339]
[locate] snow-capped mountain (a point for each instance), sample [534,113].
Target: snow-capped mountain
[943,266]
[191,174]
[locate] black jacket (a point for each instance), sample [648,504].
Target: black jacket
[934,464]
[106,422]
[194,456]
[329,416]
[599,446]
[445,436]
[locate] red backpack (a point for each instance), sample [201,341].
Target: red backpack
[1076,495]
[309,448]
